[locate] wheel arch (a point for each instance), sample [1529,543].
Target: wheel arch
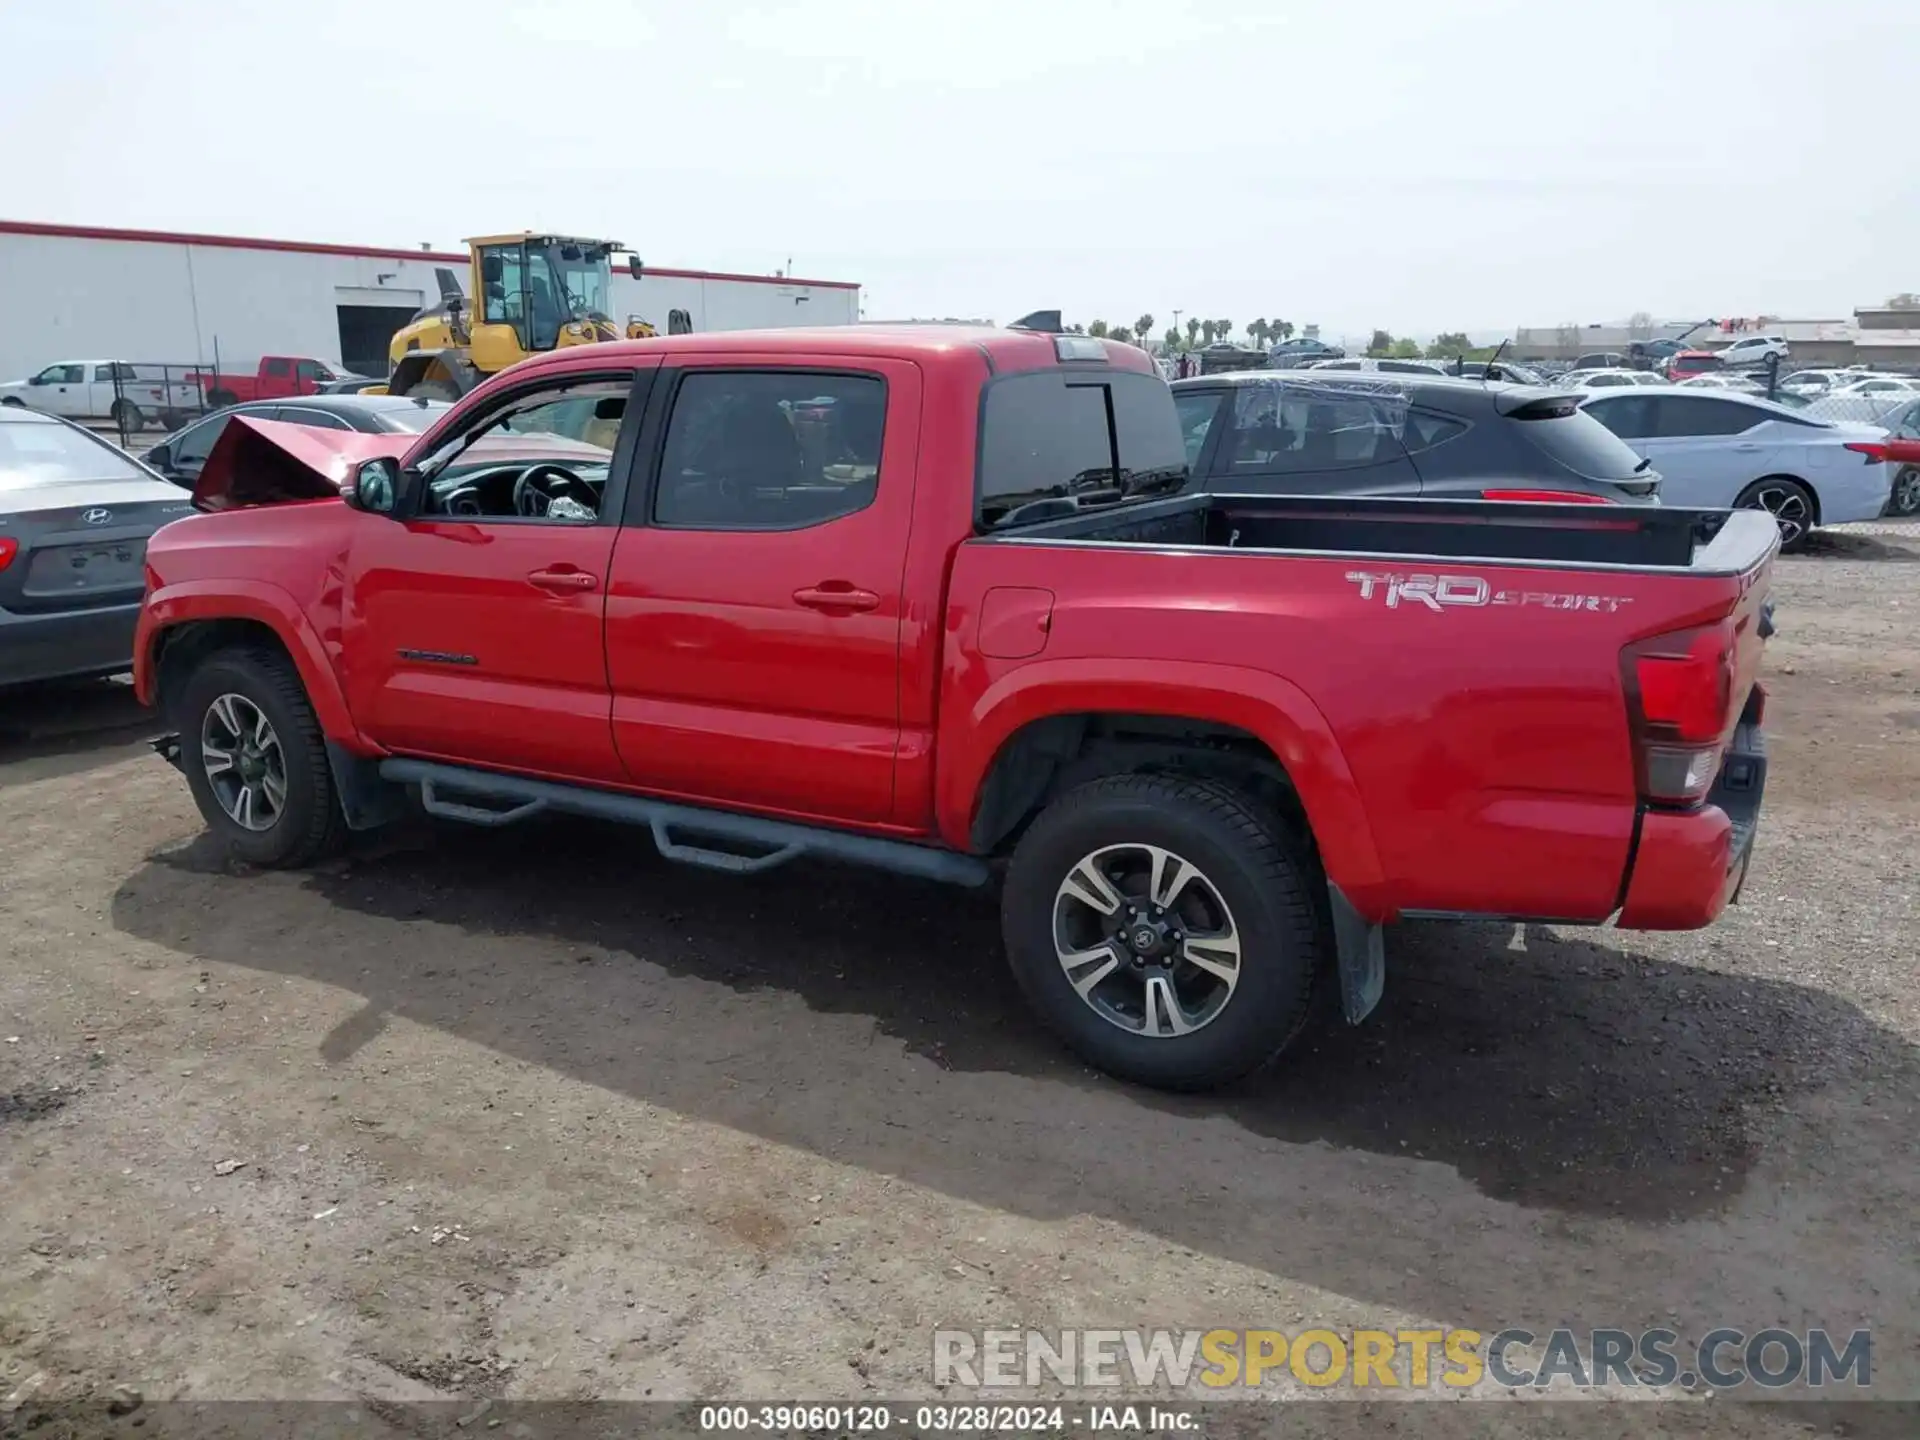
[182,623]
[1050,726]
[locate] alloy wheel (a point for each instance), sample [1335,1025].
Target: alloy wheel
[1146,940]
[1788,506]
[1906,492]
[244,763]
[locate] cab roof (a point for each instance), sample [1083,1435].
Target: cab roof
[1003,349]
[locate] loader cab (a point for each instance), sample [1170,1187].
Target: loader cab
[539,292]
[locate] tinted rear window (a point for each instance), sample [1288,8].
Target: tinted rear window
[1058,433]
[1581,444]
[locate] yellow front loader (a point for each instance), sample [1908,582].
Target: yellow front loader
[531,293]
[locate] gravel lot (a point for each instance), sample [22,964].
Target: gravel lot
[533,1115]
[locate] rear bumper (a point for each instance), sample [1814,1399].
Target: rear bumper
[66,644]
[1688,867]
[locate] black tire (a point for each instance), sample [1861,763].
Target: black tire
[310,824]
[128,417]
[1754,497]
[220,399]
[1905,499]
[1242,854]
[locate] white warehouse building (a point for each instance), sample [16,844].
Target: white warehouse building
[71,292]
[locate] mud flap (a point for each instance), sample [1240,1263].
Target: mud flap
[1362,956]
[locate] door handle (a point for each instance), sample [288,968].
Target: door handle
[1748,447]
[564,582]
[835,597]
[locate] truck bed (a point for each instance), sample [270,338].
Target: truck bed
[1637,537]
[1460,666]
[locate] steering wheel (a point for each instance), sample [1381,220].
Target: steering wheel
[540,485]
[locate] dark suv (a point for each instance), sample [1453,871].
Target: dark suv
[1320,432]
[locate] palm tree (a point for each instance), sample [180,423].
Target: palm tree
[1223,328]
[1193,332]
[1257,331]
[1283,329]
[1097,329]
[1122,334]
[1143,327]
[1207,330]
[1172,338]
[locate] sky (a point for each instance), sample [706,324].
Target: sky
[1412,165]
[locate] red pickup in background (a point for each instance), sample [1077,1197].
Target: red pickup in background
[935,599]
[276,375]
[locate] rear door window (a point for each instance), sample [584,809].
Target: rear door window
[1687,416]
[1631,417]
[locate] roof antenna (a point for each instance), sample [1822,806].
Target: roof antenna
[1047,322]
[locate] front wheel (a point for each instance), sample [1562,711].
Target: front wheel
[256,760]
[1788,501]
[1905,499]
[1163,928]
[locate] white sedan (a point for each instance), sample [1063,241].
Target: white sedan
[1891,385]
[1720,450]
[1608,379]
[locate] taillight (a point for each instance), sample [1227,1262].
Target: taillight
[1547,497]
[1875,451]
[9,547]
[1680,701]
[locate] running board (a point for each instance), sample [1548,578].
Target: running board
[753,843]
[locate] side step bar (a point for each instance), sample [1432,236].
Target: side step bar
[480,797]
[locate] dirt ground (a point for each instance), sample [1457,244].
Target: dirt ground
[533,1115]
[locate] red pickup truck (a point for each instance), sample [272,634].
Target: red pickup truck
[276,375]
[936,600]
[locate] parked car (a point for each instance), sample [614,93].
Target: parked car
[180,457]
[1742,383]
[275,376]
[1903,451]
[1316,432]
[1509,371]
[1381,366]
[1603,360]
[353,385]
[116,390]
[1607,379]
[1891,385]
[1301,350]
[1723,449]
[75,516]
[1201,736]
[1754,350]
[1685,364]
[1812,384]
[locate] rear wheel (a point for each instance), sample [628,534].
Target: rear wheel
[220,399]
[127,416]
[256,760]
[1163,928]
[1788,501]
[1905,499]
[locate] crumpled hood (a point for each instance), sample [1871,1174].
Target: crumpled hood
[269,462]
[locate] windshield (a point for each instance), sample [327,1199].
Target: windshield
[37,452]
[580,284]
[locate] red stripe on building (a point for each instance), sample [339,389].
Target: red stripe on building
[308,247]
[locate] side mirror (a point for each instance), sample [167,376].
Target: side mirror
[492,268]
[38,380]
[160,458]
[633,266]
[375,487]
